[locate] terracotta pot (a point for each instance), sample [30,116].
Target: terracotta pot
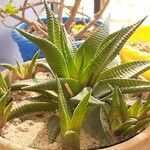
[7,145]
[138,142]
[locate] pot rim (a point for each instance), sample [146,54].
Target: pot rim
[137,142]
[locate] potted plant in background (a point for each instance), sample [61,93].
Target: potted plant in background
[83,95]
[37,27]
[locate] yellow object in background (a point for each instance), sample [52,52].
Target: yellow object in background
[129,54]
[142,34]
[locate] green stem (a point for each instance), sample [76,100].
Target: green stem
[71,141]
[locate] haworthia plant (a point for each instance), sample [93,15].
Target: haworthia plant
[71,124]
[125,122]
[5,100]
[85,86]
[24,72]
[91,70]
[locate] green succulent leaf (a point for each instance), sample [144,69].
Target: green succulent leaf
[97,61]
[92,100]
[125,125]
[127,70]
[20,69]
[68,56]
[53,54]
[24,83]
[134,109]
[125,85]
[134,129]
[38,84]
[42,98]
[3,102]
[141,124]
[109,50]
[3,83]
[106,133]
[144,109]
[53,128]
[124,35]
[31,67]
[11,68]
[118,107]
[64,111]
[71,44]
[90,45]
[2,92]
[80,113]
[31,107]
[116,123]
[103,90]
[8,79]
[57,37]
[54,28]
[7,110]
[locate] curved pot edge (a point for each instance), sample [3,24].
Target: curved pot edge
[8,145]
[138,142]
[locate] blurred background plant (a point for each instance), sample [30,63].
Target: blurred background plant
[85,9]
[20,13]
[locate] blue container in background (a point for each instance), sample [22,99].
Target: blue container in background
[27,48]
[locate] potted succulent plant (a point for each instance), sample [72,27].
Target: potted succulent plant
[83,95]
